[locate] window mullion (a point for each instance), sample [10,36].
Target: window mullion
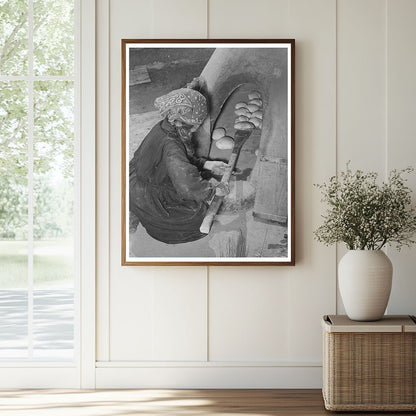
[30,177]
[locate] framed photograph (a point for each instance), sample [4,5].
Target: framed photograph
[208,152]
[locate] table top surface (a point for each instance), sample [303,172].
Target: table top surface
[389,323]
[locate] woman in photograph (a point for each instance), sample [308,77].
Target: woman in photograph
[168,193]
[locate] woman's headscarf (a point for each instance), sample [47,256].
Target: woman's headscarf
[184,104]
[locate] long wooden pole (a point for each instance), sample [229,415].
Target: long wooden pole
[240,138]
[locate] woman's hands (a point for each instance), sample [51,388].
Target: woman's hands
[215,166]
[221,188]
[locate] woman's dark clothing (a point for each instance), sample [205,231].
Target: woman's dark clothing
[167,192]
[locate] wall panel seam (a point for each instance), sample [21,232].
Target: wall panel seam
[336,141]
[207,12]
[386,5]
[108,23]
[207,313]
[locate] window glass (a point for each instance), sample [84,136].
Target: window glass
[53,196]
[37,182]
[53,37]
[13,37]
[13,219]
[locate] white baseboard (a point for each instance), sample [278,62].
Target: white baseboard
[39,378]
[209,377]
[169,375]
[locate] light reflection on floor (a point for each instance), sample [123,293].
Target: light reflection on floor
[209,402]
[100,403]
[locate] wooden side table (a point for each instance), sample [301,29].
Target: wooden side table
[369,366]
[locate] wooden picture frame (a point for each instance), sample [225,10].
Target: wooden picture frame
[174,211]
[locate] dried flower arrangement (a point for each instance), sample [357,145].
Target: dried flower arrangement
[366,215]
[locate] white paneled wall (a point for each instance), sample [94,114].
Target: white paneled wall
[254,326]
[401,132]
[248,326]
[361,88]
[164,315]
[361,84]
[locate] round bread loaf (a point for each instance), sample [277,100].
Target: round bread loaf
[256,121]
[243,125]
[253,95]
[243,112]
[256,101]
[253,108]
[225,143]
[218,133]
[258,114]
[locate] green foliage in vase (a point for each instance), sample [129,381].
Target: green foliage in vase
[367,215]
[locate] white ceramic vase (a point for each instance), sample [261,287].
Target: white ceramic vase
[364,278]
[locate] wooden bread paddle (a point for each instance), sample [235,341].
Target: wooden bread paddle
[240,138]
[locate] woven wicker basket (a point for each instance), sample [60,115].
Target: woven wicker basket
[369,366]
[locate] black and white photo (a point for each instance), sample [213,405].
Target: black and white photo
[208,152]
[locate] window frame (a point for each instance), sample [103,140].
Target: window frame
[81,371]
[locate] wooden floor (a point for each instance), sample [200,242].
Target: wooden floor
[164,402]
